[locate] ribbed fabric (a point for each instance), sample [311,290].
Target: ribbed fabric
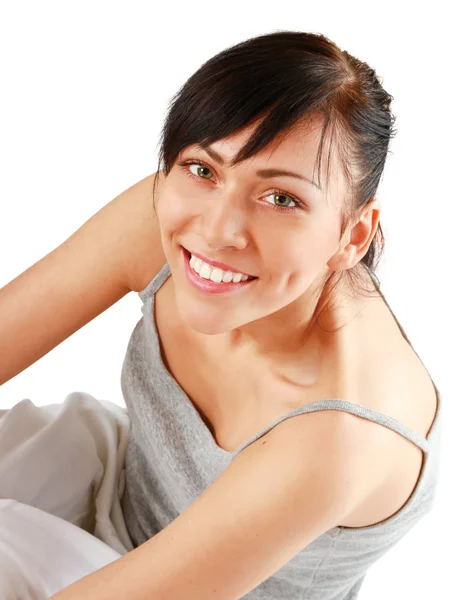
[172,458]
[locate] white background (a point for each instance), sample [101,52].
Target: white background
[84,89]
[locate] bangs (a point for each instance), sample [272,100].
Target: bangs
[237,88]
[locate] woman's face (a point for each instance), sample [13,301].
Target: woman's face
[280,229]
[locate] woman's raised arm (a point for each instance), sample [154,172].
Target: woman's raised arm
[90,271]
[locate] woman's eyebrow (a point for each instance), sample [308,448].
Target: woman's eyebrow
[264,173]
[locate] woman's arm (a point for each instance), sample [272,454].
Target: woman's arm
[258,514]
[90,271]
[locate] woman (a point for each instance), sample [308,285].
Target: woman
[273,396]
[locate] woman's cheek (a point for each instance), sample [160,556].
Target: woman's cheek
[172,212]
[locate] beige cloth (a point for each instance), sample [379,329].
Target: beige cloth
[61,482]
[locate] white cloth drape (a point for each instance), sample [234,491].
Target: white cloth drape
[61,482]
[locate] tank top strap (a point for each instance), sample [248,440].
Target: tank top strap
[155,284]
[360,411]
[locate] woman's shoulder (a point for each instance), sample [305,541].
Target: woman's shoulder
[392,378]
[392,381]
[146,254]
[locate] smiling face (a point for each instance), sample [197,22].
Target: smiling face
[283,230]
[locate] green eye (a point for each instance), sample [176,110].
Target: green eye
[200,167]
[203,170]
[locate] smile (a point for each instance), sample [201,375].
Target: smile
[212,279]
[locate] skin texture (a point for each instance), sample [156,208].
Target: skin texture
[269,503]
[229,214]
[258,514]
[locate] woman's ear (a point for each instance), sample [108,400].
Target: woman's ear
[357,238]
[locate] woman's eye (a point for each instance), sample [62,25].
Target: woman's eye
[199,169]
[287,199]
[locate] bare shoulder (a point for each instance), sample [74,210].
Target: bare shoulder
[394,383]
[381,465]
[145,256]
[106,257]
[347,449]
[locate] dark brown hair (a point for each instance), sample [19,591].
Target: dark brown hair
[283,79]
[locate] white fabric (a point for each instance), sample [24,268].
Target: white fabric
[61,481]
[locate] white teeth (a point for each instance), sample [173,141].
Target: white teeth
[215,273]
[197,264]
[205,271]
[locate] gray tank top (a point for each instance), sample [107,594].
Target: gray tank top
[172,458]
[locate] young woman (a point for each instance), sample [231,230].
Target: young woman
[284,433]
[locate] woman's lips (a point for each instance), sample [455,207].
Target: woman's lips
[218,264]
[206,285]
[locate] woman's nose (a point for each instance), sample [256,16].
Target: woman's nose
[224,224]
